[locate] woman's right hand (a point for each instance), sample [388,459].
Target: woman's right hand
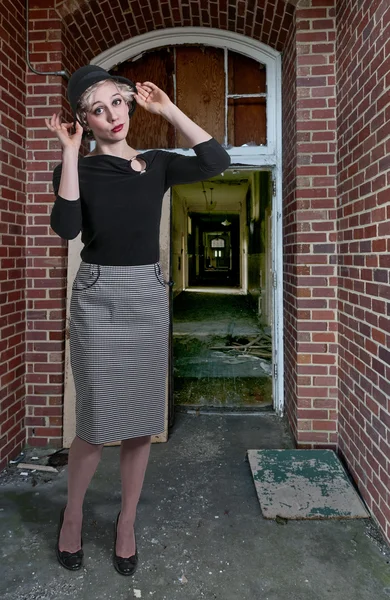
[69,141]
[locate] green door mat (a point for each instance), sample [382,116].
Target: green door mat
[304,484]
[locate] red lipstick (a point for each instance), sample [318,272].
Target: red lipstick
[117,128]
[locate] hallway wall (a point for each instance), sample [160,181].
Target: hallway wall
[259,245]
[179,228]
[253,237]
[363,248]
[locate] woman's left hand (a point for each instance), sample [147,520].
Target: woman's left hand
[151,98]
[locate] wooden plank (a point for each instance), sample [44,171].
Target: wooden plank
[148,130]
[247,120]
[200,85]
[37,467]
[246,76]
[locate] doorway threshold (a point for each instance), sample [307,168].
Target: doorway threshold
[216,290]
[195,409]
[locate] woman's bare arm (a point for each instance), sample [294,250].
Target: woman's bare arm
[194,134]
[154,100]
[69,185]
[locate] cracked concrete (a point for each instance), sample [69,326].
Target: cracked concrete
[199,527]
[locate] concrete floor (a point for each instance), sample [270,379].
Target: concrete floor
[211,314]
[200,529]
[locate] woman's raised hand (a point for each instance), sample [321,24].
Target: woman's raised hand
[71,141]
[151,98]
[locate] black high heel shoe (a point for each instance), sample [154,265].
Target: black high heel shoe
[70,560]
[125,566]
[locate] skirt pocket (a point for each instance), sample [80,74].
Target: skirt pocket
[159,275]
[86,278]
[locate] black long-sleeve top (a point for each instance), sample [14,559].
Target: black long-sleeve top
[119,209]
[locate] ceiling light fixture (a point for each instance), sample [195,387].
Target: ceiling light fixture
[209,205]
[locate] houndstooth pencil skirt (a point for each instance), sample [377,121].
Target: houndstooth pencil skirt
[119,323]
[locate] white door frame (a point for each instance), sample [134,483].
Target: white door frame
[269,156]
[277,281]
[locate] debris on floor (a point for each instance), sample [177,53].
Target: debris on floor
[36,467]
[222,353]
[59,458]
[260,345]
[17,460]
[213,364]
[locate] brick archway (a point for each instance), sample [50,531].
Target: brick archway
[83,31]
[95,26]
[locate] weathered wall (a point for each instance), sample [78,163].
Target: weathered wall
[178,230]
[259,246]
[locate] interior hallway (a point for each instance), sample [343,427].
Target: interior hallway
[209,371]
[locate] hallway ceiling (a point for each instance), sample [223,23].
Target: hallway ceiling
[228,193]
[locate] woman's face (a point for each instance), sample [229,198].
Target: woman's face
[109,114]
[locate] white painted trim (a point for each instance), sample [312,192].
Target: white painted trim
[277,304]
[177,36]
[262,157]
[277,248]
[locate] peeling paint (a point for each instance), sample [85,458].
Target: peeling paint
[304,484]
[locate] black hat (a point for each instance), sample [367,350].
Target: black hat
[86,76]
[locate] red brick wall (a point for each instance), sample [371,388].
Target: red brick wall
[311,259]
[12,229]
[364,244]
[51,49]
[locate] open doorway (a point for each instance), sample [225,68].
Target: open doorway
[223,292]
[213,250]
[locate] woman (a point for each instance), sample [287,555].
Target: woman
[119,310]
